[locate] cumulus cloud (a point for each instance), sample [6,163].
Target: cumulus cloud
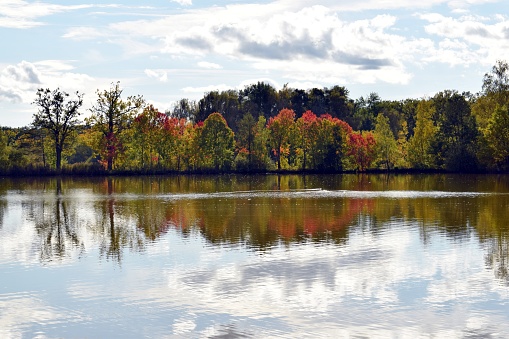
[316,44]
[18,83]
[468,39]
[16,80]
[324,42]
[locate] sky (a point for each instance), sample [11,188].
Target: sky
[166,50]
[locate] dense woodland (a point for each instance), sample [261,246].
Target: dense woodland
[259,129]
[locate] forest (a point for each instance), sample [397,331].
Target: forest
[261,129]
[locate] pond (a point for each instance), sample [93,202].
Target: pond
[255,256]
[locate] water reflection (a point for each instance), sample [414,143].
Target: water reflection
[128,212]
[257,255]
[56,226]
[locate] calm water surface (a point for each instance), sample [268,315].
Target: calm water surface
[255,256]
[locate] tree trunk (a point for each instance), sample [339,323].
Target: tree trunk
[58,151]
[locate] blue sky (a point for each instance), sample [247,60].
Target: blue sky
[166,50]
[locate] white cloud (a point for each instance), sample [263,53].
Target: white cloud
[206,89]
[468,39]
[19,83]
[224,87]
[183,2]
[362,50]
[16,81]
[463,6]
[83,33]
[208,65]
[160,75]
[307,43]
[23,14]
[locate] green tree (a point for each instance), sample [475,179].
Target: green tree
[420,153]
[260,152]
[189,147]
[339,105]
[455,142]
[184,109]
[4,151]
[259,99]
[366,111]
[497,135]
[497,81]
[147,135]
[495,92]
[111,116]
[217,143]
[59,116]
[246,137]
[402,144]
[386,146]
[225,102]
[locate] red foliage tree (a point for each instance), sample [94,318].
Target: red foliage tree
[279,127]
[361,148]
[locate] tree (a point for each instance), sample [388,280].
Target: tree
[327,146]
[147,135]
[361,149]
[217,142]
[57,115]
[402,145]
[259,99]
[169,139]
[279,128]
[246,137]
[317,101]
[366,110]
[189,146]
[340,106]
[4,151]
[497,135]
[184,109]
[454,144]
[386,146]
[495,92]
[306,125]
[111,116]
[497,81]
[260,152]
[419,149]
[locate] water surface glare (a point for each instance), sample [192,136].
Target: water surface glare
[255,256]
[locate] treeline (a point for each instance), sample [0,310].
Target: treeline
[260,128]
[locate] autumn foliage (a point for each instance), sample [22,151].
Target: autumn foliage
[261,129]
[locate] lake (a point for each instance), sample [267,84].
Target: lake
[256,256]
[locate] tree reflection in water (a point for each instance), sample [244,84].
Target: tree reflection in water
[114,227]
[129,213]
[56,225]
[497,258]
[3,202]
